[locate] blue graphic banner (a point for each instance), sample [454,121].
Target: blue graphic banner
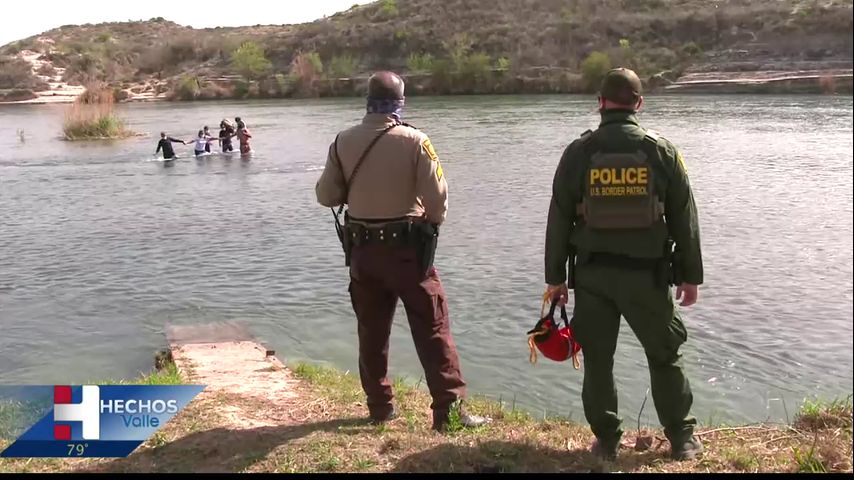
[92,421]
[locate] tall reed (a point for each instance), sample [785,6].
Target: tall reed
[92,116]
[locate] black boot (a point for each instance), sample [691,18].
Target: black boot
[442,419]
[606,450]
[686,450]
[384,417]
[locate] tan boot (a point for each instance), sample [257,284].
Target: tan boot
[457,418]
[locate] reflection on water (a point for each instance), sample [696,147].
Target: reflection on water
[100,246]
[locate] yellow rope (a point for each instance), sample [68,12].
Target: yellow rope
[532,345]
[576,364]
[546,300]
[531,342]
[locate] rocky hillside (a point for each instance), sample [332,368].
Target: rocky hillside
[447,46]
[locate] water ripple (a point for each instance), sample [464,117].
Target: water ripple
[102,247]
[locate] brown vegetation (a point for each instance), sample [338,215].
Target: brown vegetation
[92,117]
[16,73]
[509,45]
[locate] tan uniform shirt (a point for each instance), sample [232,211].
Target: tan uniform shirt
[401,177]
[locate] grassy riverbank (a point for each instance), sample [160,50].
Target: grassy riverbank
[328,434]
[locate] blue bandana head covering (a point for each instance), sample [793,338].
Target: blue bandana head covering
[386,106]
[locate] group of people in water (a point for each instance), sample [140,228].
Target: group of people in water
[202,143]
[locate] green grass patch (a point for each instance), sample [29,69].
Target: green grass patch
[339,386]
[168,375]
[808,461]
[816,414]
[742,461]
[102,127]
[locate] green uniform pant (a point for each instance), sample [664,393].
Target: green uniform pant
[602,295]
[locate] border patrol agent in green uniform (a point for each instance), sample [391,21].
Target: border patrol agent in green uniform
[621,199]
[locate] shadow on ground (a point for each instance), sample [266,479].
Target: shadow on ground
[509,457]
[229,451]
[219,450]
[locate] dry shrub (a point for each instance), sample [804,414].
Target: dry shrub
[92,116]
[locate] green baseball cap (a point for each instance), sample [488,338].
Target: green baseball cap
[622,86]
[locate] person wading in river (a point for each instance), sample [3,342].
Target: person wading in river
[621,198]
[165,144]
[389,176]
[226,133]
[202,144]
[243,136]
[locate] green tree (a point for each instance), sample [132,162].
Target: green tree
[249,60]
[342,66]
[503,64]
[401,36]
[458,49]
[594,68]
[475,71]
[314,60]
[420,62]
[188,88]
[389,8]
[284,84]
[476,66]
[241,89]
[441,70]
[691,49]
[306,70]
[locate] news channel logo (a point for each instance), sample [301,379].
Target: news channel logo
[91,421]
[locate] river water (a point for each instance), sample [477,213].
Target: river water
[100,247]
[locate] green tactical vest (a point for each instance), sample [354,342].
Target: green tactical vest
[620,188]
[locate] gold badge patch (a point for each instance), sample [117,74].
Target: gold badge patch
[428,146]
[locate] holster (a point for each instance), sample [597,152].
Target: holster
[666,270]
[424,237]
[426,242]
[678,269]
[347,243]
[345,236]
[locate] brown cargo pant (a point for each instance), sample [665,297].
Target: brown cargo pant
[379,276]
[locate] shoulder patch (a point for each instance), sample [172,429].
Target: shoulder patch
[681,161]
[428,147]
[586,135]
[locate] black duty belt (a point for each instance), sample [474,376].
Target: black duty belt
[391,233]
[623,261]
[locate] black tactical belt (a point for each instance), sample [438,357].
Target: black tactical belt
[623,261]
[398,233]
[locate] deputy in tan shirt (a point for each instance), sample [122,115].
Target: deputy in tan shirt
[390,178]
[401,178]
